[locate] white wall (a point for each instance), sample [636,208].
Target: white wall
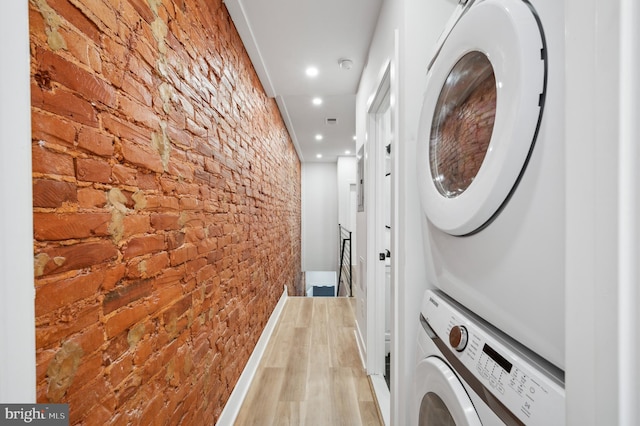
[319,217]
[17,317]
[602,132]
[419,22]
[347,167]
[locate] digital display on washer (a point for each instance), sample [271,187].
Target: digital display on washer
[499,359]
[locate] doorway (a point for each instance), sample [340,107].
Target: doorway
[379,232]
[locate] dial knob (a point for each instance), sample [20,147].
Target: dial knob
[458,337]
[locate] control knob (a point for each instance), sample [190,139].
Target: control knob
[458,337]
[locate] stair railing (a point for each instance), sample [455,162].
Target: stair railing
[345,260]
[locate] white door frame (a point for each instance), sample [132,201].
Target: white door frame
[380,104]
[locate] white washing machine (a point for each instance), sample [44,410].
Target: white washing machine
[468,374]
[490,160]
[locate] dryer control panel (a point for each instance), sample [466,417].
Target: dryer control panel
[519,387]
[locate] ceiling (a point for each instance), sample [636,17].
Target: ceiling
[284,38]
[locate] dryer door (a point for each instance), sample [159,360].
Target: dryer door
[480,114]
[442,400]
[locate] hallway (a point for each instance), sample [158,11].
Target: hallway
[311,372]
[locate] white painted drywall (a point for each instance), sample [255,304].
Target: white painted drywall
[319,217]
[347,167]
[419,24]
[17,317]
[602,134]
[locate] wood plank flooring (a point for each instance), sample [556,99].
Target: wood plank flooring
[311,373]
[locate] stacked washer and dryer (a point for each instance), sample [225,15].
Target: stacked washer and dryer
[491,177]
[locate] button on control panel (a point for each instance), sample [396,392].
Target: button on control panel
[534,395]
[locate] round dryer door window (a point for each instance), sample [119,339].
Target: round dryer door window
[480,115]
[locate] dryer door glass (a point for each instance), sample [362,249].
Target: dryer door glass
[462,124]
[434,412]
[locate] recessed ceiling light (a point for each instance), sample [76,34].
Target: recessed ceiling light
[354,137]
[317,101]
[311,71]
[318,155]
[347,152]
[318,137]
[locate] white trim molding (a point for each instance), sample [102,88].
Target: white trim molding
[239,393]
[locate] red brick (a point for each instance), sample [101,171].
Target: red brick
[125,175]
[142,8]
[139,92]
[125,130]
[140,113]
[54,227]
[125,318]
[232,174]
[183,254]
[76,18]
[91,362]
[51,129]
[181,169]
[90,340]
[83,401]
[99,13]
[78,256]
[143,245]
[147,181]
[136,224]
[49,193]
[143,351]
[65,104]
[83,49]
[89,197]
[124,295]
[205,274]
[156,263]
[95,142]
[165,221]
[50,162]
[119,370]
[75,78]
[77,319]
[113,276]
[92,170]
[59,293]
[142,156]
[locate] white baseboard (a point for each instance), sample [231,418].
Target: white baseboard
[382,396]
[362,349]
[232,407]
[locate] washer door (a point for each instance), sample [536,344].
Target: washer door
[442,400]
[480,114]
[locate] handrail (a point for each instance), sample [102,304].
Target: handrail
[345,259]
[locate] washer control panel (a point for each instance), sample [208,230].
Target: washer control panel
[487,362]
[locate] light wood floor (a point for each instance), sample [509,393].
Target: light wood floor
[311,372]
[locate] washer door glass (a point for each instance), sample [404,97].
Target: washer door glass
[441,397]
[433,412]
[480,114]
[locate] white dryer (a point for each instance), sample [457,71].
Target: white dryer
[468,374]
[490,161]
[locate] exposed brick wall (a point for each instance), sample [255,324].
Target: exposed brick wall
[166,208]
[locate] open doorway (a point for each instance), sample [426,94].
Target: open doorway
[379,233]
